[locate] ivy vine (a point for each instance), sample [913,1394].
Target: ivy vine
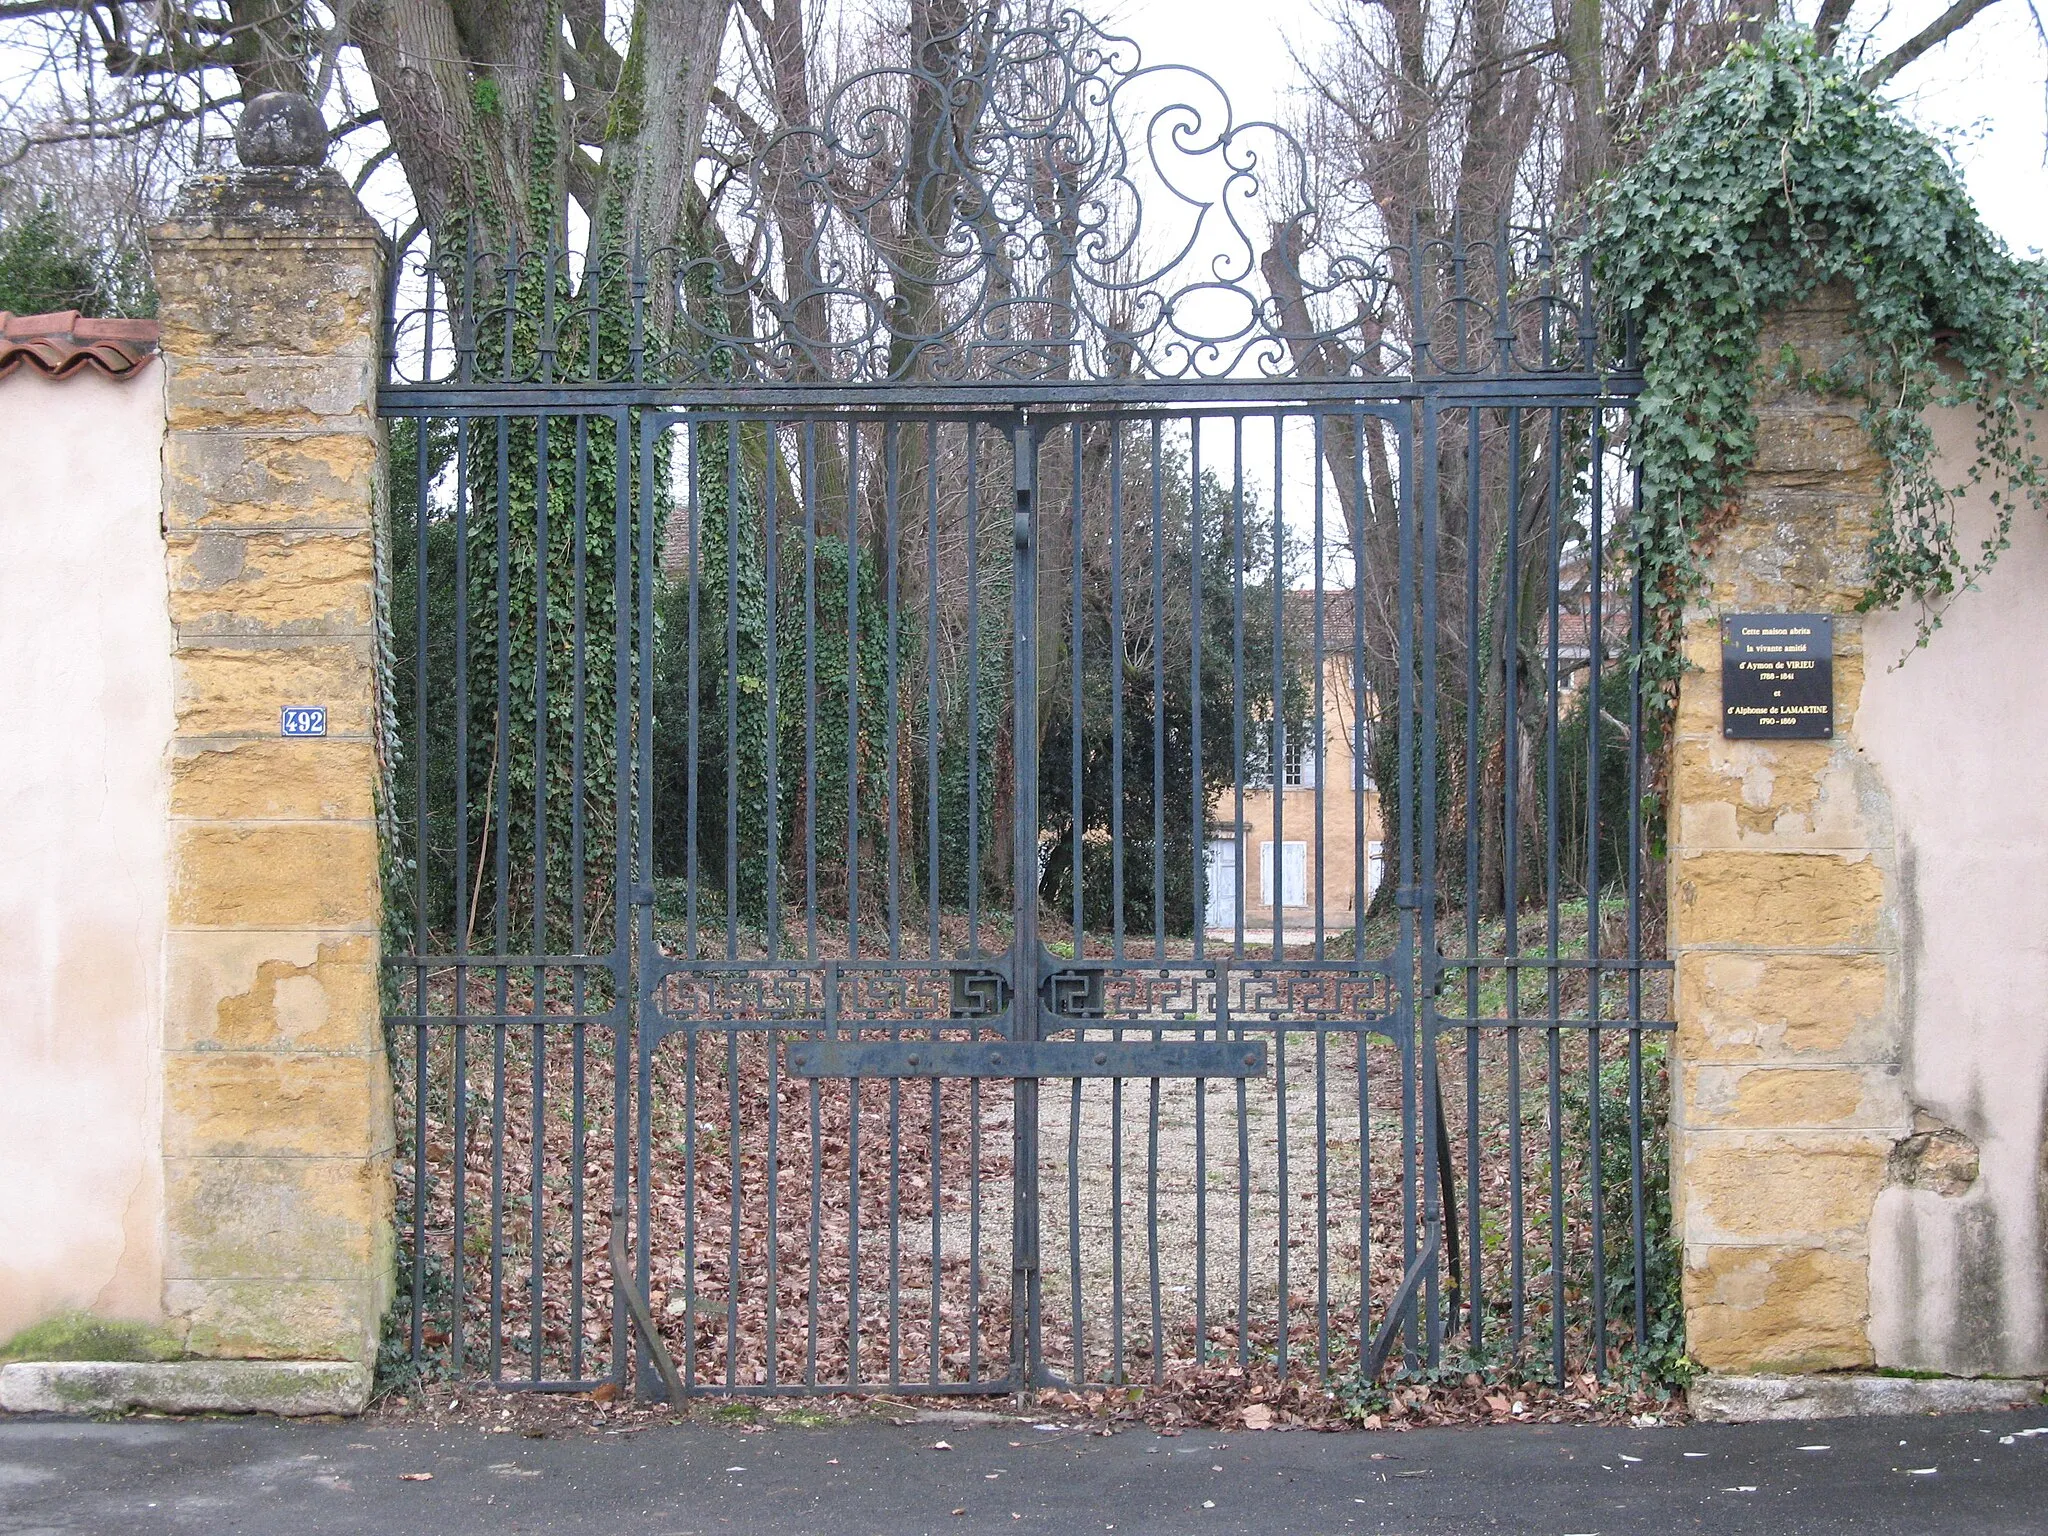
[1779,173]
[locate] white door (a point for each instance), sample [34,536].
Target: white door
[1293,874]
[1221,875]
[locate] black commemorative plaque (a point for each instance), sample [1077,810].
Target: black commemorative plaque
[1778,676]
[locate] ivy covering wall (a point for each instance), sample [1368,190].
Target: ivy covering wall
[1777,173]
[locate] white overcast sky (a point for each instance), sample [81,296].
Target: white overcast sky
[1982,90]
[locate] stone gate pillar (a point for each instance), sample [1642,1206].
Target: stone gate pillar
[1787,1098]
[277,1100]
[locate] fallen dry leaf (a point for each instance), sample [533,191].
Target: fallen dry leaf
[415,1477]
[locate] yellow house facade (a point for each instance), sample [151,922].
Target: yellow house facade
[1307,834]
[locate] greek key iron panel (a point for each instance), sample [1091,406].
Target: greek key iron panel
[887,993]
[855,994]
[742,993]
[979,994]
[1309,996]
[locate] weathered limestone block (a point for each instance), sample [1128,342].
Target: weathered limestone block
[273,780]
[1768,1399]
[245,393]
[1750,1007]
[277,1096]
[280,263]
[233,584]
[256,1218]
[1779,900]
[233,990]
[1789,1308]
[295,1387]
[229,689]
[1803,548]
[318,875]
[1773,794]
[1818,447]
[1819,1098]
[229,479]
[276,1319]
[276,1103]
[1780,1186]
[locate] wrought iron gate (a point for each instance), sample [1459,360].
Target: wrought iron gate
[818,717]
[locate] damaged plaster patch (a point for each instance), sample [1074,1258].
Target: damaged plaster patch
[1936,1157]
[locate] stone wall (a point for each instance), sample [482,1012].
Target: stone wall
[1815,1172]
[1958,734]
[85,700]
[277,1117]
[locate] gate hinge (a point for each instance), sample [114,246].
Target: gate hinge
[1407,897]
[642,896]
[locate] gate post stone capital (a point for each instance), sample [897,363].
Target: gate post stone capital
[277,1097]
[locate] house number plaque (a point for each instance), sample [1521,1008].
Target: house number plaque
[1778,676]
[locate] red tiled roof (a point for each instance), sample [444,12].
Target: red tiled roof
[65,343]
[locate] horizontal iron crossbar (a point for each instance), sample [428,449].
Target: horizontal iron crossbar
[1027,1059]
[1446,392]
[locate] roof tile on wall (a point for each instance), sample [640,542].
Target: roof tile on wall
[66,343]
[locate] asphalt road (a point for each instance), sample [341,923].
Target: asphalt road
[138,1477]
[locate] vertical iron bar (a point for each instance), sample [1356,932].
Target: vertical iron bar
[1429,973]
[1633,895]
[771,541]
[731,666]
[1405,894]
[692,709]
[736,1195]
[1596,645]
[579,934]
[1511,861]
[535,1217]
[1024,896]
[1115,668]
[931,731]
[625,982]
[1077,820]
[1317,680]
[891,704]
[421,861]
[636,776]
[810,496]
[501,870]
[1077,826]
[853,680]
[1237,757]
[1475,1289]
[1158,854]
[1196,791]
[1279,426]
[1553,1040]
[973,432]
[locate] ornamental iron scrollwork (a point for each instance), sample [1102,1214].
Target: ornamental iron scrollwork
[1025,202]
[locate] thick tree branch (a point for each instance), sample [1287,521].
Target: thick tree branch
[1827,26]
[1933,35]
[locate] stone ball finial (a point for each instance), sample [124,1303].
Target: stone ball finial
[281,128]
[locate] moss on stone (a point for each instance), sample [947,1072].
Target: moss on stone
[81,1336]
